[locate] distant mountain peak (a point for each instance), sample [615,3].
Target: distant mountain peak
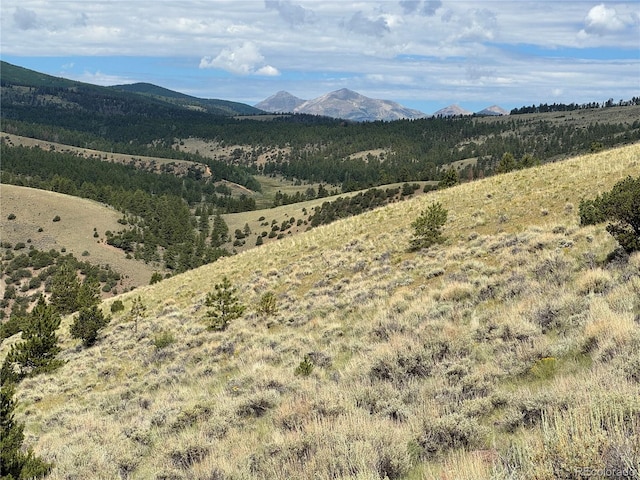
[280,102]
[493,110]
[343,103]
[452,111]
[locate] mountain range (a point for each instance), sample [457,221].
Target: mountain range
[350,105]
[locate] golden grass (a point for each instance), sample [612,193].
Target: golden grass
[422,360]
[35,209]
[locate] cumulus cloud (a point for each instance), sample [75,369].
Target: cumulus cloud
[602,20]
[245,59]
[409,6]
[25,19]
[293,14]
[430,7]
[359,23]
[478,26]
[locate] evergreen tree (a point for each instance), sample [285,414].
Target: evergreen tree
[506,164]
[65,287]
[449,178]
[428,227]
[138,311]
[36,353]
[220,231]
[620,206]
[225,305]
[14,463]
[87,324]
[88,294]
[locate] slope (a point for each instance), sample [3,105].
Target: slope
[214,106]
[35,209]
[473,359]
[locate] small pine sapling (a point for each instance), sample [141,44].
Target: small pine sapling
[428,227]
[224,304]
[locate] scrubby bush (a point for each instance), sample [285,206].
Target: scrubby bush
[621,207]
[117,306]
[268,304]
[163,340]
[449,432]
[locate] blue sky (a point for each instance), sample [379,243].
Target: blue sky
[424,54]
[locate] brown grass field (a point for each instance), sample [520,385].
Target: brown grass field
[35,209]
[511,351]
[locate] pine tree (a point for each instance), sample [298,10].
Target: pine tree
[220,231]
[36,353]
[449,178]
[428,227]
[225,305]
[87,324]
[138,311]
[65,287]
[14,463]
[506,164]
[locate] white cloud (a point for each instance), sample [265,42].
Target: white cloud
[412,47]
[268,71]
[244,59]
[100,78]
[602,19]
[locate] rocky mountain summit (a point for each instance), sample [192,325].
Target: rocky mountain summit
[343,103]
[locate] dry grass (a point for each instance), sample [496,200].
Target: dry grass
[430,364]
[35,209]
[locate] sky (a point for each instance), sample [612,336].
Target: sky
[424,54]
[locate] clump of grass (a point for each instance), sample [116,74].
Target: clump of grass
[450,432]
[594,281]
[163,339]
[582,442]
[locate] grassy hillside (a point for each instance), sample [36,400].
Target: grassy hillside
[511,351]
[35,209]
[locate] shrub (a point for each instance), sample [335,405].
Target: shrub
[620,206]
[12,216]
[225,305]
[163,340]
[117,306]
[448,432]
[304,368]
[428,227]
[56,218]
[268,304]
[87,324]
